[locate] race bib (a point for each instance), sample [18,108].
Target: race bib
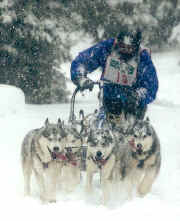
[119,72]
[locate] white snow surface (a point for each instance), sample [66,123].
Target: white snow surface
[12,99]
[17,118]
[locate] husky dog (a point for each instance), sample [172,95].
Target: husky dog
[100,158]
[71,172]
[40,153]
[139,161]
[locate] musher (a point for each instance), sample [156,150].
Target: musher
[129,76]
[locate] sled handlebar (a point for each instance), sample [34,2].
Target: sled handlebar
[77,89]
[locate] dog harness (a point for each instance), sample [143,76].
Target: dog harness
[146,154]
[71,158]
[100,162]
[45,164]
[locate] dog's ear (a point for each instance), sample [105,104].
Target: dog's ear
[89,137]
[59,121]
[47,122]
[76,132]
[147,120]
[95,111]
[134,124]
[81,114]
[61,126]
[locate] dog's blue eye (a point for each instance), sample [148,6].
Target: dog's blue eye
[135,135]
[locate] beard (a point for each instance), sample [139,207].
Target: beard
[124,55]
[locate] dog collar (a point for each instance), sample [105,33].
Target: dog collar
[45,165]
[146,154]
[100,163]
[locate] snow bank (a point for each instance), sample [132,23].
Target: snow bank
[12,100]
[168,71]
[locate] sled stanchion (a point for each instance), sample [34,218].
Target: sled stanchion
[72,115]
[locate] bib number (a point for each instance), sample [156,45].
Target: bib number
[120,72]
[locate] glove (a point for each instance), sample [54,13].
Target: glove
[132,100]
[85,83]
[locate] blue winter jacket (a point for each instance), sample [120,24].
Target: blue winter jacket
[96,56]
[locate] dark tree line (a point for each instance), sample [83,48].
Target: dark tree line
[36,37]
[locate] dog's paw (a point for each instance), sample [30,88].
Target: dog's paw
[27,193]
[69,190]
[89,190]
[104,200]
[141,195]
[52,201]
[142,192]
[46,200]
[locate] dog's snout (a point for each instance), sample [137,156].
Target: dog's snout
[56,149]
[98,154]
[139,145]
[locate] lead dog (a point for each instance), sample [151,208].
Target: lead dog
[138,161]
[100,158]
[40,150]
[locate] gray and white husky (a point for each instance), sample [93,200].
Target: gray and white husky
[138,161]
[40,153]
[100,158]
[71,171]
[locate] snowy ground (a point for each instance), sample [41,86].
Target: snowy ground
[162,203]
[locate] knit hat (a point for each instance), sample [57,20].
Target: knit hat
[130,37]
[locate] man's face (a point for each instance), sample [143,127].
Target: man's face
[123,48]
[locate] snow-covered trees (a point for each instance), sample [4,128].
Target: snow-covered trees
[36,36]
[33,36]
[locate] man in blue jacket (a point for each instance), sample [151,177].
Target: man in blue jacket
[128,73]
